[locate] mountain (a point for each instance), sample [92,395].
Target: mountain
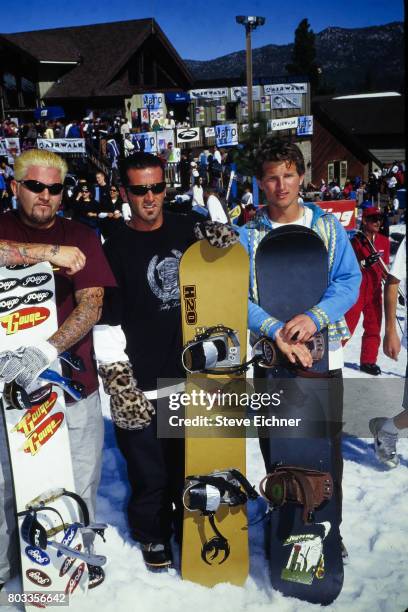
[352,60]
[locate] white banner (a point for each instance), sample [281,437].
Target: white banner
[285,88]
[153,100]
[200,113]
[191,134]
[220,112]
[163,138]
[147,141]
[286,101]
[10,148]
[241,93]
[62,145]
[209,94]
[157,117]
[209,132]
[288,123]
[265,103]
[226,134]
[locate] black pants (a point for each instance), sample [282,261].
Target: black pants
[334,417]
[155,469]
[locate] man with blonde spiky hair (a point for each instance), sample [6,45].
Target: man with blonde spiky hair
[31,234]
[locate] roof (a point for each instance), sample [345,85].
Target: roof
[374,115]
[101,51]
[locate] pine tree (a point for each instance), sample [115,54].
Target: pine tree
[304,55]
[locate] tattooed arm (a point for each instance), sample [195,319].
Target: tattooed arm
[81,320]
[16,253]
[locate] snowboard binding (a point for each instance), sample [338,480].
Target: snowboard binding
[206,494]
[267,355]
[213,350]
[297,485]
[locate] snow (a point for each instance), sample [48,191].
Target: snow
[374,529]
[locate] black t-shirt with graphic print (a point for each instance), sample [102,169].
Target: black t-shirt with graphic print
[147,300]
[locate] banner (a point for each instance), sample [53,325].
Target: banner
[147,141]
[163,137]
[226,135]
[241,93]
[287,123]
[305,125]
[344,210]
[191,134]
[200,113]
[209,132]
[10,148]
[285,88]
[265,103]
[286,101]
[153,100]
[62,145]
[144,115]
[174,97]
[210,94]
[220,112]
[157,117]
[244,108]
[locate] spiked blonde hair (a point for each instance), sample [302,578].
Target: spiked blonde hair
[38,157]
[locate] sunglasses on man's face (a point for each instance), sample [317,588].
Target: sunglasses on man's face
[38,187]
[141,190]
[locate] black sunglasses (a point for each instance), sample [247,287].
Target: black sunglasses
[141,190]
[38,187]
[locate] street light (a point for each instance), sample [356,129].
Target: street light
[251,23]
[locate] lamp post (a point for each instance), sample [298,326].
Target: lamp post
[250,23]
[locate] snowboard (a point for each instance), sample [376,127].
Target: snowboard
[39,448]
[304,552]
[214,292]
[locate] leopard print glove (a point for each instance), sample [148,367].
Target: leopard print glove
[218,234]
[130,408]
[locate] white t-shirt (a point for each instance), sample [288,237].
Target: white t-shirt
[336,360]
[216,210]
[399,271]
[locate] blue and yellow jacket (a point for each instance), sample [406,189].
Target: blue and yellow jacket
[344,276]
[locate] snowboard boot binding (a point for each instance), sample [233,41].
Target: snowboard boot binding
[157,556]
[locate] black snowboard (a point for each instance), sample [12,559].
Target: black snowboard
[305,558]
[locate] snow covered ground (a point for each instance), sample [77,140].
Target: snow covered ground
[374,531]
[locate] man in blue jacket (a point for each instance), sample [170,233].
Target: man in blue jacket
[280,170]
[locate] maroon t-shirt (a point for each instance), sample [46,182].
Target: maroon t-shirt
[96,273]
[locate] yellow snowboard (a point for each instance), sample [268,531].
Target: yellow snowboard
[214,291]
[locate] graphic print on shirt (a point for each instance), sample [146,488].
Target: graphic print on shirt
[162,276]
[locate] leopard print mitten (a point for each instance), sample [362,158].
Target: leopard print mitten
[218,234]
[130,408]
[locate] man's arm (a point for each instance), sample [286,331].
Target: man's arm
[17,253]
[391,342]
[81,320]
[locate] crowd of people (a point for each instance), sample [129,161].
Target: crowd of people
[136,308]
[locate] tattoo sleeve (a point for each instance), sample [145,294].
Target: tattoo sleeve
[17,253]
[81,320]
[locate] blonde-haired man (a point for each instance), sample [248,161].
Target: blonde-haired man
[35,233]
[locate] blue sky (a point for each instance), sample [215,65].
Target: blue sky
[204,29]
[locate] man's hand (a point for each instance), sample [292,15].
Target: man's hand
[299,329]
[68,257]
[295,353]
[392,344]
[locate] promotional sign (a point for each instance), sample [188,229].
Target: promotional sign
[286,101]
[305,125]
[220,112]
[199,113]
[244,108]
[191,134]
[144,115]
[62,145]
[226,135]
[265,103]
[163,137]
[344,210]
[153,100]
[241,93]
[287,123]
[245,127]
[147,141]
[209,132]
[10,148]
[210,94]
[157,117]
[285,88]
[174,97]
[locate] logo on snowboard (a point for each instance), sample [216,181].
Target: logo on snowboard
[190,307]
[35,415]
[38,577]
[37,555]
[306,560]
[75,579]
[69,562]
[43,433]
[24,319]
